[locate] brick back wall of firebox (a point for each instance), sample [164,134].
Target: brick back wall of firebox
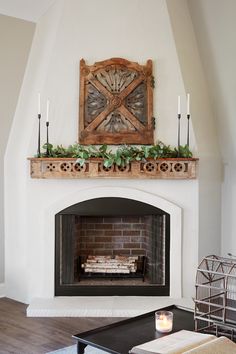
[125,235]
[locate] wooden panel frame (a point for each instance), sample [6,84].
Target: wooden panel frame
[105,117]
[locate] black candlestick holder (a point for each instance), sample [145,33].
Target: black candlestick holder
[39,136]
[47,150]
[179,117]
[188,117]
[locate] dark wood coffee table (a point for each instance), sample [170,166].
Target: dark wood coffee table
[120,337]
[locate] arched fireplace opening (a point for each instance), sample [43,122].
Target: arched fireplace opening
[112,246]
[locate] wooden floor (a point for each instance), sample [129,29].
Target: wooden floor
[26,335]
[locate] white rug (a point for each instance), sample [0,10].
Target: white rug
[68,350]
[73,350]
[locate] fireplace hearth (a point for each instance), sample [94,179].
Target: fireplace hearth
[96,242]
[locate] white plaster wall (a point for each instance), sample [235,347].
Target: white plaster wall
[71,30]
[215,27]
[27,10]
[17,250]
[15,41]
[203,119]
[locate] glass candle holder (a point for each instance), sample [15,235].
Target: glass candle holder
[164,321]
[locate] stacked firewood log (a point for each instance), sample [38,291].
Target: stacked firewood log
[109,264]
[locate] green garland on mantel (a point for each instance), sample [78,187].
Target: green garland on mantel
[121,156]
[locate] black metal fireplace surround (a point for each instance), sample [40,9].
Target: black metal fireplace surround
[153,243]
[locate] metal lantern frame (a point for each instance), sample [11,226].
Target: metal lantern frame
[215,301]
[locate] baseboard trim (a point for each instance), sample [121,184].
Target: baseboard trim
[2,290]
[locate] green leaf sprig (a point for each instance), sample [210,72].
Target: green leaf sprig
[122,156]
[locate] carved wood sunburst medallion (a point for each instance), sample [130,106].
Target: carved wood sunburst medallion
[116,102]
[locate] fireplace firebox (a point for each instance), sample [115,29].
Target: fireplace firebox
[112,246]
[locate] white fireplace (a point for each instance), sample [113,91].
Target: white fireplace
[183,245]
[139,195]
[179,200]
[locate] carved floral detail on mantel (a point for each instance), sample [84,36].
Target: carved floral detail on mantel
[169,168]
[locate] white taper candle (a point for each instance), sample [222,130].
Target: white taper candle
[179,111]
[188,103]
[39,104]
[47,115]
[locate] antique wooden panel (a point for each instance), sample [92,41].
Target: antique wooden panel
[172,168]
[116,102]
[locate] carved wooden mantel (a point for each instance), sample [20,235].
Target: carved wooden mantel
[172,168]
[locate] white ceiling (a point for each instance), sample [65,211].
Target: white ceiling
[30,10]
